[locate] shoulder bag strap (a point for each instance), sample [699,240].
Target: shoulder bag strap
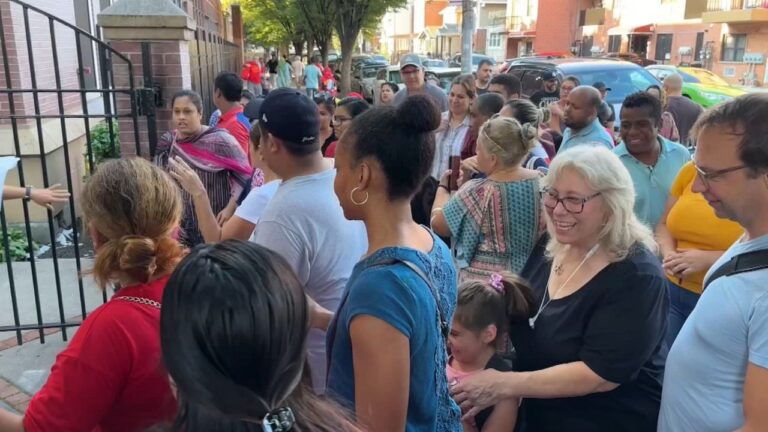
[742,263]
[441,319]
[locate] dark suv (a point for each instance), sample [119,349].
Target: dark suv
[622,77]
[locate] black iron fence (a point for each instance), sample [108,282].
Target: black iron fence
[210,54]
[56,89]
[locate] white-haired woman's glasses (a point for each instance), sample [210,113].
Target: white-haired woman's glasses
[574,205]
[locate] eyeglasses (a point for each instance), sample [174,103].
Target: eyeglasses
[715,176]
[339,120]
[573,205]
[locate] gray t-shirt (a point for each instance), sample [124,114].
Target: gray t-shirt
[305,224]
[437,95]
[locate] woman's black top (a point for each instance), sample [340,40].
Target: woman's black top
[615,324]
[328,142]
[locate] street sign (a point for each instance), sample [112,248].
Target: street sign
[753,58]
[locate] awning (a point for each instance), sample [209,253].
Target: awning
[643,29]
[522,35]
[449,30]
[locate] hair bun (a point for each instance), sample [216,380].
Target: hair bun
[529,132]
[544,115]
[137,253]
[419,113]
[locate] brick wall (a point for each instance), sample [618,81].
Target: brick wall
[556,25]
[170,69]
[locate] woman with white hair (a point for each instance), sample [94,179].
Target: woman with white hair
[591,357]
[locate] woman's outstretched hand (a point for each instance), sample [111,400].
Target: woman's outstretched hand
[48,196]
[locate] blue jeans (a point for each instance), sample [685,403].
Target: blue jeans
[681,305]
[311,92]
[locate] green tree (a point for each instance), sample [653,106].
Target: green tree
[319,19]
[272,22]
[353,16]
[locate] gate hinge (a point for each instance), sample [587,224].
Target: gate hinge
[148,99]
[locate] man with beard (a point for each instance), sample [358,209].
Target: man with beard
[550,91]
[583,125]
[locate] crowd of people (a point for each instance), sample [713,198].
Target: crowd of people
[469,261]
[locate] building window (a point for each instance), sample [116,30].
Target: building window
[495,40]
[614,43]
[663,47]
[734,46]
[699,46]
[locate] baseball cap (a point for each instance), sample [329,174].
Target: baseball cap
[548,76]
[252,109]
[290,115]
[601,86]
[410,60]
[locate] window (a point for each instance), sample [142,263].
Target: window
[699,46]
[614,43]
[734,46]
[495,40]
[663,47]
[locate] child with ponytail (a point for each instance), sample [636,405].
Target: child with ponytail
[484,312]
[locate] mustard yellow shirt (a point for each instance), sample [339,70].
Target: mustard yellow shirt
[694,225]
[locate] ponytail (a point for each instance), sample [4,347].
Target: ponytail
[503,300]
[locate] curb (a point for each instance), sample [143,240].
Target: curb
[13,397]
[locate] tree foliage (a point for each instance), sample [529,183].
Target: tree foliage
[271,22]
[351,18]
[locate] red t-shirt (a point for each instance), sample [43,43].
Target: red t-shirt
[255,75]
[236,123]
[110,377]
[331,150]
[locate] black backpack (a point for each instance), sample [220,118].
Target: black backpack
[742,263]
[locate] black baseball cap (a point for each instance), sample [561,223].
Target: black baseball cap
[600,85]
[252,109]
[548,76]
[290,115]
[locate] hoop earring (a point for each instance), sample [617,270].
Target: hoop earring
[352,197]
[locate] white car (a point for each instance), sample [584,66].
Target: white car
[389,74]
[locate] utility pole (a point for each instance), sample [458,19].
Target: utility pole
[467,32]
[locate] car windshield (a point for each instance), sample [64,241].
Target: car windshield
[370,72]
[622,82]
[394,76]
[702,76]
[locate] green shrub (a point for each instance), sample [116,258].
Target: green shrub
[18,247]
[101,145]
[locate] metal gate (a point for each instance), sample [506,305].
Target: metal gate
[60,117]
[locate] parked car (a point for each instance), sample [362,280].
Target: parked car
[504,66]
[624,78]
[392,73]
[700,85]
[476,58]
[364,78]
[433,63]
[630,57]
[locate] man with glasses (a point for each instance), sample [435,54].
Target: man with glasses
[717,370]
[412,75]
[652,160]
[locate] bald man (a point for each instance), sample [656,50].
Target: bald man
[684,110]
[580,115]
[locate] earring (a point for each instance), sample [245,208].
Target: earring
[352,197]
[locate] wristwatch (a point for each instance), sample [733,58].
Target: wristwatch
[28,193]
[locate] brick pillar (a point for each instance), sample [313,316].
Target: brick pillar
[238,36]
[126,25]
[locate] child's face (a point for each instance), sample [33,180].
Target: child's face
[467,345]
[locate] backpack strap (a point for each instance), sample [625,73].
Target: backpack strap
[441,320]
[742,263]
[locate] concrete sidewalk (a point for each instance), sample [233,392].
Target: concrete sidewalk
[24,369]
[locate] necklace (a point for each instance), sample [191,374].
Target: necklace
[559,267]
